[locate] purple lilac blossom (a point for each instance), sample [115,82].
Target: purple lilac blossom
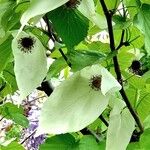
[33,142]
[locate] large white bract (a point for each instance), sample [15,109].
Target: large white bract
[30,67]
[73,105]
[39,7]
[121,126]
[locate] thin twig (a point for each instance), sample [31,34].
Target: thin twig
[64,56]
[95,135]
[129,77]
[36,99]
[49,28]
[103,120]
[108,16]
[87,131]
[55,38]
[2,118]
[121,40]
[28,137]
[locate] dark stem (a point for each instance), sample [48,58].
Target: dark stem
[28,137]
[87,131]
[46,87]
[65,58]
[2,118]
[55,38]
[121,40]
[50,33]
[103,120]
[108,16]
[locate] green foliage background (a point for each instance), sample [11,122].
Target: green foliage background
[122,31]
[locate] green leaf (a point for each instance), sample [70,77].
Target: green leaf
[132,10]
[20,119]
[99,46]
[43,37]
[38,7]
[60,142]
[12,146]
[113,4]
[143,104]
[31,66]
[4,5]
[142,22]
[147,122]
[88,143]
[134,146]
[70,25]
[74,104]
[121,22]
[125,59]
[11,111]
[133,95]
[9,75]
[5,53]
[14,131]
[134,80]
[81,59]
[10,18]
[121,127]
[87,8]
[8,109]
[145,1]
[67,141]
[144,139]
[55,68]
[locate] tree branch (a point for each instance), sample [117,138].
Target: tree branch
[103,120]
[121,40]
[28,137]
[55,38]
[108,16]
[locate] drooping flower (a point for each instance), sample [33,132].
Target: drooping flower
[26,44]
[30,62]
[75,103]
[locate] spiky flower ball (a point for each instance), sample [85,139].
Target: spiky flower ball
[72,3]
[136,65]
[26,44]
[95,82]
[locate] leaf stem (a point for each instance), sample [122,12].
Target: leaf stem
[108,16]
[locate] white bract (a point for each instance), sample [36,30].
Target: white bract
[74,104]
[121,126]
[39,7]
[87,8]
[30,67]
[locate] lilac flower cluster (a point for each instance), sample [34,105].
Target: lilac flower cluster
[32,111]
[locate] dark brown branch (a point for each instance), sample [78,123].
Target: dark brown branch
[121,40]
[64,56]
[108,16]
[49,28]
[55,38]
[87,131]
[103,120]
[28,137]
